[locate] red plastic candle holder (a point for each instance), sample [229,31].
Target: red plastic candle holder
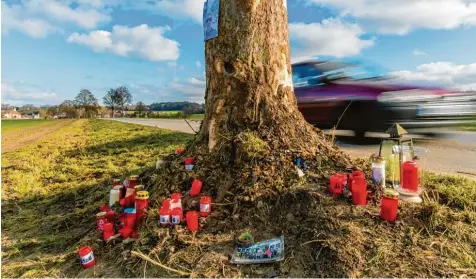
[189,161]
[100,221]
[142,203]
[125,232]
[104,208]
[410,176]
[111,216]
[108,231]
[196,188]
[205,206]
[130,218]
[389,205]
[176,216]
[192,221]
[359,191]
[353,175]
[164,216]
[87,257]
[337,184]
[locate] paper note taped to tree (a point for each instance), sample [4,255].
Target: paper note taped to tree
[211,13]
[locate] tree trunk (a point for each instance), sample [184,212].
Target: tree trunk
[249,79]
[252,131]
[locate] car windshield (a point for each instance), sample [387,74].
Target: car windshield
[312,73]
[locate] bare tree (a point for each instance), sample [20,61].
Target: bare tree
[43,113]
[123,97]
[141,108]
[85,100]
[52,111]
[110,100]
[68,107]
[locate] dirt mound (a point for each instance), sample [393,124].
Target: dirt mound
[324,237]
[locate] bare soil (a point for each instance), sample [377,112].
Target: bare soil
[18,139]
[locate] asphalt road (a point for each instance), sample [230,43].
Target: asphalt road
[447,151]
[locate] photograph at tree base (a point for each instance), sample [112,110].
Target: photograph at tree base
[260,180]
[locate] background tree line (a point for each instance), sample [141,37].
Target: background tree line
[178,106]
[117,103]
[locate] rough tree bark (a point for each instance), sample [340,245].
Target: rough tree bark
[252,128]
[249,79]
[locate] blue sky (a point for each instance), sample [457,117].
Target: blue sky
[51,49]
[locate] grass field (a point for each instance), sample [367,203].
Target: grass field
[197,116]
[51,190]
[172,114]
[469,127]
[9,126]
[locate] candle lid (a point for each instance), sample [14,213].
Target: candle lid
[101,215]
[391,194]
[133,177]
[379,159]
[142,195]
[129,210]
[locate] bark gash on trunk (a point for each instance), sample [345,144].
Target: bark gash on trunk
[249,79]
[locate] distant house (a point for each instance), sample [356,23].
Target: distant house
[12,114]
[30,116]
[120,113]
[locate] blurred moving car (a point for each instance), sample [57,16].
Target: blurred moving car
[341,94]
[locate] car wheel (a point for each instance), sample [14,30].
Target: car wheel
[360,133]
[363,120]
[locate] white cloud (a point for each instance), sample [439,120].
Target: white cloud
[330,37]
[20,93]
[446,73]
[417,52]
[191,90]
[101,3]
[83,15]
[172,65]
[39,18]
[402,16]
[196,81]
[198,64]
[13,18]
[144,41]
[175,9]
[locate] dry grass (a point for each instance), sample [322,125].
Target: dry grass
[326,237]
[52,189]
